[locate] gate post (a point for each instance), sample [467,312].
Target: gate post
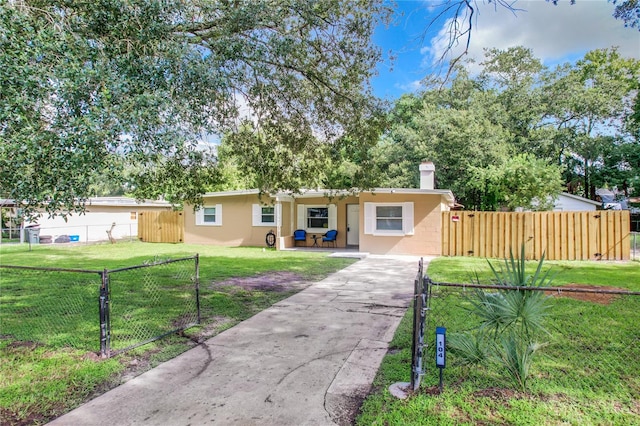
[105,327]
[420,306]
[198,285]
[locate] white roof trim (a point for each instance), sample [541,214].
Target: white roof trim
[579,198]
[230,193]
[444,192]
[447,194]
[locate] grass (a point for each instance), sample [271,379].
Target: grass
[587,373]
[44,376]
[613,274]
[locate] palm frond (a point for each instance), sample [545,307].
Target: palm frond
[470,349]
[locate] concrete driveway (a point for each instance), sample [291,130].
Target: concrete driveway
[307,360]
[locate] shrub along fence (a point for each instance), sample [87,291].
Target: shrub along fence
[588,351]
[592,235]
[108,311]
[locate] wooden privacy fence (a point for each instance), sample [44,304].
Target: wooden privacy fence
[161,227]
[590,235]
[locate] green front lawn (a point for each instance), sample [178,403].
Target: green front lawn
[42,378]
[586,374]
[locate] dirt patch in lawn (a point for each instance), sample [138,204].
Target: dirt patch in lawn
[272,281]
[498,394]
[593,294]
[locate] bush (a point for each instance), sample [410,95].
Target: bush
[511,321]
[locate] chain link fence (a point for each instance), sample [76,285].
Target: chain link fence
[66,234]
[147,302]
[108,311]
[56,307]
[591,345]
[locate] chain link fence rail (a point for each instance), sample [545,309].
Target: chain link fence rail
[108,311]
[591,344]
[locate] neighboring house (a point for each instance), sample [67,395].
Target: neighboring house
[118,215]
[569,202]
[382,221]
[612,200]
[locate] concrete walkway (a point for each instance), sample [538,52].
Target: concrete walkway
[307,360]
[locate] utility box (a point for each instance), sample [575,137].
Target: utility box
[32,234]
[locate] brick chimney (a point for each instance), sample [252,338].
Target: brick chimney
[427,172]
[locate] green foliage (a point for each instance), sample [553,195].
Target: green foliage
[518,133]
[470,349]
[90,89]
[592,105]
[628,11]
[516,356]
[515,272]
[510,320]
[522,181]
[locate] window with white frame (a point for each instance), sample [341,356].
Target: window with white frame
[388,219]
[317,218]
[266,215]
[209,216]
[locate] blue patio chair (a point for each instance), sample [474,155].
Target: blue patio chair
[330,237]
[300,235]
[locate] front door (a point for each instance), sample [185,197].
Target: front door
[353,224]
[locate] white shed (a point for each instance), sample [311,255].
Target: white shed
[569,202]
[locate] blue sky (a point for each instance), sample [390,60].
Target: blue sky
[556,34]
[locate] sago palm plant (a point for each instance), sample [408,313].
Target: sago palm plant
[510,320]
[520,310]
[516,356]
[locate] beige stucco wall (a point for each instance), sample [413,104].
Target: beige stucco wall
[236,229]
[427,237]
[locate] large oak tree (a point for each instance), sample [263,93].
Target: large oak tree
[87,88]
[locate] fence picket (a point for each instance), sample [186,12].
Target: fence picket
[558,235]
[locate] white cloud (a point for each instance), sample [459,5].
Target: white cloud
[554,33]
[412,86]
